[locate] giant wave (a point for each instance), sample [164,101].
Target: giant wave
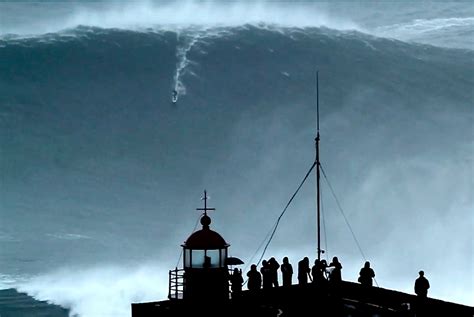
[92,147]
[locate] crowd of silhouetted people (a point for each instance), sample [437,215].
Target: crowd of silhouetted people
[320,274]
[267,277]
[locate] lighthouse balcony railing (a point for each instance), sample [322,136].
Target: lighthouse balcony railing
[176,284]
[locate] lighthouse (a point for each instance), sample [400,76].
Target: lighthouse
[205,276]
[201,288]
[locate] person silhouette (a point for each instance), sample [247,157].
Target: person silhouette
[236,281]
[274,266]
[303,271]
[286,272]
[335,276]
[324,269]
[318,271]
[207,262]
[422,285]
[315,269]
[266,275]
[174,96]
[255,279]
[366,275]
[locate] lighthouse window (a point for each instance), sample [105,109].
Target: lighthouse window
[187,258]
[198,258]
[214,257]
[223,256]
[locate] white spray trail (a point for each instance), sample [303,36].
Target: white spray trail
[187,39]
[183,61]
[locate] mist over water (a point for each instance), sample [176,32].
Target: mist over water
[101,174]
[53,17]
[447,24]
[103,291]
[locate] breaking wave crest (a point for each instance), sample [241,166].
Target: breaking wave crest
[101,291]
[173,15]
[450,32]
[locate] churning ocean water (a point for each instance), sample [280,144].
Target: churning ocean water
[101,173]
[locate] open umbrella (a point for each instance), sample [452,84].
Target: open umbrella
[233,261]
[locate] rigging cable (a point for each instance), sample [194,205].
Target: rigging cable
[345,218]
[284,210]
[181,253]
[324,226]
[343,214]
[259,247]
[256,251]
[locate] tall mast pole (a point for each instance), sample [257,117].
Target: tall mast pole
[318,176]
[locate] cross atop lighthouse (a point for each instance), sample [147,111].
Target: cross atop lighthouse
[205,209]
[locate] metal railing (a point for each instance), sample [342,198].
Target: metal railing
[176,284]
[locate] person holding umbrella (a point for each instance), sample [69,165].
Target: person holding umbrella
[236,281]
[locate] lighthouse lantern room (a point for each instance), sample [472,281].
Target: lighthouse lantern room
[205,275]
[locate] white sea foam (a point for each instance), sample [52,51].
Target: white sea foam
[137,15]
[439,31]
[6,281]
[101,291]
[418,26]
[21,20]
[68,236]
[12,280]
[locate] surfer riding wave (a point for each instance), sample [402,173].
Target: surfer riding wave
[174,96]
